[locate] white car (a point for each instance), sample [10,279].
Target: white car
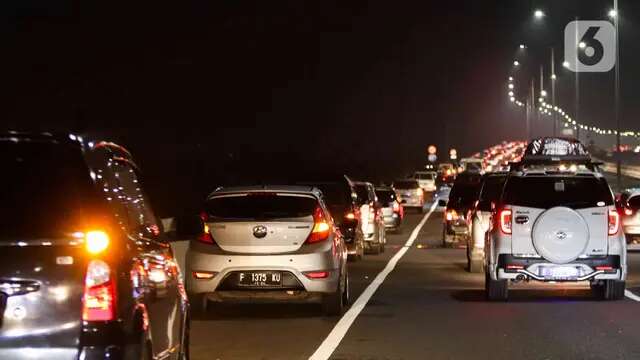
[267,243]
[490,192]
[426,180]
[556,225]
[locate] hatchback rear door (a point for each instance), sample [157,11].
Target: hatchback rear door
[260,223]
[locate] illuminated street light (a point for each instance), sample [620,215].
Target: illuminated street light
[510,86]
[512,99]
[582,45]
[613,13]
[511,93]
[543,93]
[516,63]
[523,46]
[538,14]
[553,76]
[566,64]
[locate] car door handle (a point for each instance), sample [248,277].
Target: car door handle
[522,219]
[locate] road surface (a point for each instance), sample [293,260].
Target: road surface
[429,307]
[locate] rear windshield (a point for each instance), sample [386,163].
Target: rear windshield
[424,176]
[406,184]
[545,192]
[270,206]
[492,188]
[45,190]
[473,166]
[463,194]
[385,196]
[634,202]
[363,193]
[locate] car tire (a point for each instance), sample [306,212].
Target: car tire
[198,302]
[333,303]
[496,290]
[614,290]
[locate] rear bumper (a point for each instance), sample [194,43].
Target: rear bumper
[510,267]
[227,265]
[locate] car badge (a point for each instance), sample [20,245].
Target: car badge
[260,231]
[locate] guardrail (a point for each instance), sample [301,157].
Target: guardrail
[631,171]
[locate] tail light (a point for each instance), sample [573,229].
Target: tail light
[452,215]
[628,211]
[614,222]
[321,228]
[504,217]
[316,274]
[99,298]
[350,216]
[396,207]
[206,236]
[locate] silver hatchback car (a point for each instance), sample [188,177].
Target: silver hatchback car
[268,243]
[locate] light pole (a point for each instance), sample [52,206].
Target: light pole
[616,22]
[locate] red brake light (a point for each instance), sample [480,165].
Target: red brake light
[99,298]
[614,222]
[505,221]
[317,274]
[452,215]
[321,228]
[206,236]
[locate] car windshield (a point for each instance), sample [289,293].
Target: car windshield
[45,191]
[406,184]
[260,206]
[545,192]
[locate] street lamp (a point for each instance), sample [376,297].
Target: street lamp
[543,93]
[553,76]
[566,64]
[523,46]
[613,13]
[538,14]
[516,63]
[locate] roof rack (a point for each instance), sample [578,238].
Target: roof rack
[541,160]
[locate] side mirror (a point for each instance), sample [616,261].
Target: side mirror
[188,227]
[442,203]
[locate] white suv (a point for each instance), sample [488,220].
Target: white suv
[556,222]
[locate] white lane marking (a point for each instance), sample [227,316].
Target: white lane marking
[631,295]
[336,335]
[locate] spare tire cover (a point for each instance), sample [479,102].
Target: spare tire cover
[560,235]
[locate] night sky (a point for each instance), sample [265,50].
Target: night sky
[206,93]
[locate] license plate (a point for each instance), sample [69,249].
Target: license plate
[559,272]
[260,279]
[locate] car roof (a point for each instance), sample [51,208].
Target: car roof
[309,190]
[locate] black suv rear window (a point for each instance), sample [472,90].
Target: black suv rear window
[545,192]
[634,202]
[262,206]
[45,190]
[406,184]
[385,196]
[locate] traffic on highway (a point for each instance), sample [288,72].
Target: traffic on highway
[317,180]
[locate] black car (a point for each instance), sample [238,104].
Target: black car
[462,197]
[85,269]
[340,196]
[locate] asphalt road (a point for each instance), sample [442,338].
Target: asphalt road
[430,307]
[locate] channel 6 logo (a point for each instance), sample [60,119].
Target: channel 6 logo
[590,46]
